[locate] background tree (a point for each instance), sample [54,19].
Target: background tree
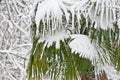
[15,41]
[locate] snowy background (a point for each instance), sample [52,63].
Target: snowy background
[15,41]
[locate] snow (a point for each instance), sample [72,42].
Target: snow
[15,41]
[111,72]
[103,14]
[104,64]
[51,10]
[17,15]
[82,44]
[118,23]
[56,37]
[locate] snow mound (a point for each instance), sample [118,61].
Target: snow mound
[82,44]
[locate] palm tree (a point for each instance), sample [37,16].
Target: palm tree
[77,39]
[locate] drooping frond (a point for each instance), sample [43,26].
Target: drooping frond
[85,48]
[99,56]
[104,13]
[57,36]
[94,24]
[50,13]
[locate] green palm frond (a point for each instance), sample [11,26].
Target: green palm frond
[57,63]
[93,49]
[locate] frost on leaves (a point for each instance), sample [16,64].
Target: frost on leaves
[50,13]
[82,44]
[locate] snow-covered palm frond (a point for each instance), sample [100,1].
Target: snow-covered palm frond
[110,71]
[50,38]
[82,44]
[99,57]
[53,42]
[51,10]
[103,13]
[118,23]
[53,17]
[90,50]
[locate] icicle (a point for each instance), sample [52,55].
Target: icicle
[102,16]
[107,14]
[51,10]
[73,14]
